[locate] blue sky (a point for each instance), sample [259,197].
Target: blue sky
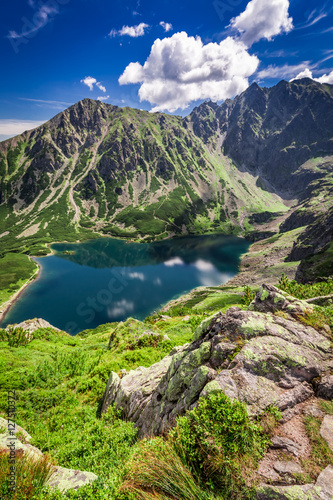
[166,55]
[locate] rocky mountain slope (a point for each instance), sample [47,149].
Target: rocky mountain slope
[260,164]
[267,356]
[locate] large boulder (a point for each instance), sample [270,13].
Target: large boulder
[263,356]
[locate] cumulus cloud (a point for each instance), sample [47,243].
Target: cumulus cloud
[90,82]
[132,31]
[103,98]
[307,73]
[181,69]
[166,26]
[263,19]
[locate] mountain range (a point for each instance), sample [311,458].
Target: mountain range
[259,165]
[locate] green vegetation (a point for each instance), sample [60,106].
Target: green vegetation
[15,271]
[30,476]
[306,291]
[207,455]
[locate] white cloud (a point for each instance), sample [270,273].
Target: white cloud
[263,19]
[90,82]
[181,69]
[166,26]
[285,71]
[101,87]
[120,308]
[132,31]
[307,73]
[41,18]
[203,265]
[103,97]
[175,261]
[10,128]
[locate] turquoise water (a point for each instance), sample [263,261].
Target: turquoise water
[107,280]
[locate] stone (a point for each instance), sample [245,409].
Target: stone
[61,477]
[325,387]
[322,490]
[324,483]
[255,356]
[326,430]
[19,432]
[69,479]
[279,442]
[286,467]
[313,411]
[30,325]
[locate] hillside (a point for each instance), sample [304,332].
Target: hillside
[260,165]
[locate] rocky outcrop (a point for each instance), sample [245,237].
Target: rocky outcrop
[321,490]
[263,356]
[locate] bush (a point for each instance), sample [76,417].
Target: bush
[212,449]
[247,296]
[15,336]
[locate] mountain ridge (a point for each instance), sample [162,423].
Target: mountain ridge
[96,169]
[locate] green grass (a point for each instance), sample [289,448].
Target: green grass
[15,271]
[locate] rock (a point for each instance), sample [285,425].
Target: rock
[69,479]
[325,483]
[322,490]
[326,430]
[325,387]
[164,317]
[258,357]
[285,467]
[62,478]
[16,429]
[313,411]
[165,338]
[186,318]
[279,442]
[30,325]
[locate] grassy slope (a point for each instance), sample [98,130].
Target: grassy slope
[59,382]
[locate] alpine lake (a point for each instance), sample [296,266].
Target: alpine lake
[84,285]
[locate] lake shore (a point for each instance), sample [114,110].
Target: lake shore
[6,306]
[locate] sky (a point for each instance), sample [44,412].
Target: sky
[166,55]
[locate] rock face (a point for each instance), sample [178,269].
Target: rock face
[263,356]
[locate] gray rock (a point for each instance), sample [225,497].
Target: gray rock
[285,467]
[325,387]
[313,411]
[279,442]
[30,325]
[255,356]
[322,490]
[69,479]
[326,430]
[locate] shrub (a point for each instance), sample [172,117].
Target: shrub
[15,336]
[247,296]
[216,443]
